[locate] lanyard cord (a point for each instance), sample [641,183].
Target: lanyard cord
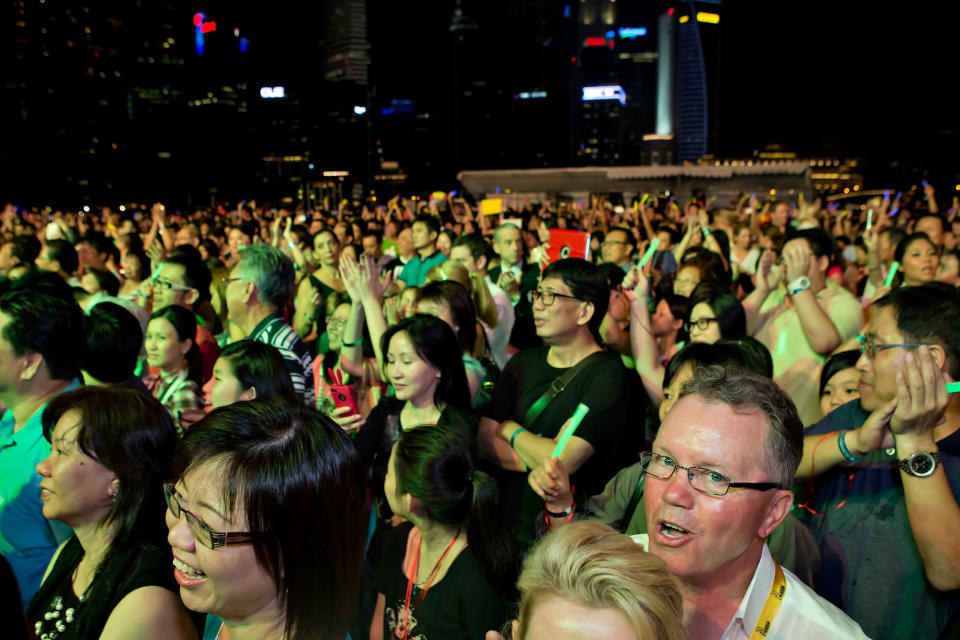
[774,600]
[813,491]
[413,575]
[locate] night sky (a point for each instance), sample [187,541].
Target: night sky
[860,81]
[840,79]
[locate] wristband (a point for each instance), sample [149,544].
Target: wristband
[291,245]
[358,342]
[514,436]
[706,230]
[566,513]
[843,448]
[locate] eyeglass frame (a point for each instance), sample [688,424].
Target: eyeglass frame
[758,486]
[688,325]
[541,294]
[870,349]
[226,281]
[217,539]
[169,285]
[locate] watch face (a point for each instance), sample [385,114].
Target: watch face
[922,464]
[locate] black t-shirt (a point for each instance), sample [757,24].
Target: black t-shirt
[602,386]
[463,605]
[382,429]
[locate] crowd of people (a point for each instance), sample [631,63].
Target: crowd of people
[414,420]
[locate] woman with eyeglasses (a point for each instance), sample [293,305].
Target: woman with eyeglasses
[170,347]
[111,450]
[265,521]
[715,315]
[450,572]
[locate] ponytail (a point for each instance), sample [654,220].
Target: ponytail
[437,466]
[494,548]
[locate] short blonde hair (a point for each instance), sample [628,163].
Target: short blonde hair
[593,564]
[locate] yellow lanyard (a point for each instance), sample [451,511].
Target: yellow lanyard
[774,600]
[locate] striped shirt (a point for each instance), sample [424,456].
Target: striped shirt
[274,331]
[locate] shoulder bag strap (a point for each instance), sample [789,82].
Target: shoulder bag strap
[556,387]
[633,504]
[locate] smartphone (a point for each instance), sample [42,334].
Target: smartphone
[343,397]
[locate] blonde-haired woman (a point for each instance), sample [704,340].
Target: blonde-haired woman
[588,580]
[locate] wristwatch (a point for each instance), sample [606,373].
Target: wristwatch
[800,284]
[920,464]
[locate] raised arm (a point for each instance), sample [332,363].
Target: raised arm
[364,283]
[819,330]
[931,506]
[646,354]
[766,282]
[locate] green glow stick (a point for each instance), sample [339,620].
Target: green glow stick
[575,421]
[649,254]
[953,387]
[869,219]
[892,273]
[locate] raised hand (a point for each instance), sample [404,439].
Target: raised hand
[551,482]
[875,432]
[767,278]
[635,285]
[921,394]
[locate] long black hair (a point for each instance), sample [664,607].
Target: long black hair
[437,466]
[437,345]
[298,478]
[185,324]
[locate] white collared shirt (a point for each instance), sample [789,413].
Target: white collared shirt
[802,615]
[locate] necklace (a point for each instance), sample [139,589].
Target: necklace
[56,609]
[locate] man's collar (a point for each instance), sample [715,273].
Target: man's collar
[756,596]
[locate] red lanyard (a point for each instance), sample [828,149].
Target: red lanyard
[413,575]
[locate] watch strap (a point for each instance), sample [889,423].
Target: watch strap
[904,464]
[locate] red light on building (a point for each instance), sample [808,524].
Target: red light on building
[207,27]
[670,11]
[595,42]
[197,19]
[573,58]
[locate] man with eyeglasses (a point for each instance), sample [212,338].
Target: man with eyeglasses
[568,308]
[258,288]
[618,248]
[883,502]
[714,487]
[184,280]
[801,316]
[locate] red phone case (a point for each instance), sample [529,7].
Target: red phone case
[566,243]
[342,395]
